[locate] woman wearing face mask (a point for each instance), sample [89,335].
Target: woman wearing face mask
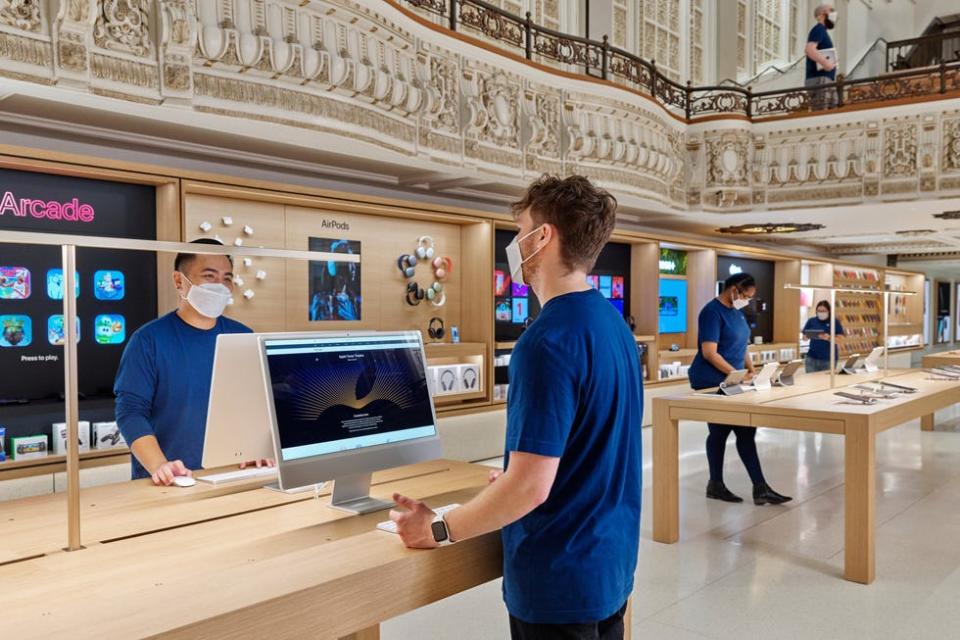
[818,357]
[722,339]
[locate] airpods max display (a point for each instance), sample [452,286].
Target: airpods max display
[436,330]
[425,248]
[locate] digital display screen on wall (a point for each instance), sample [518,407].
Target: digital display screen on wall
[673,262]
[116,291]
[673,305]
[515,306]
[335,286]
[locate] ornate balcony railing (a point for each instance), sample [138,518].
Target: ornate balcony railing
[925,51]
[600,59]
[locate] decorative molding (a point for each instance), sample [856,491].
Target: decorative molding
[21,14]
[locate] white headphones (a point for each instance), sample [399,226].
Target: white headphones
[425,248]
[444,385]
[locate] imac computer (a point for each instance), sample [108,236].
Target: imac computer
[343,405]
[238,418]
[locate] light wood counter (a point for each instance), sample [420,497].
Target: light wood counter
[808,406]
[204,563]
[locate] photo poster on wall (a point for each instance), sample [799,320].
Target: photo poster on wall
[673,305]
[334,288]
[116,290]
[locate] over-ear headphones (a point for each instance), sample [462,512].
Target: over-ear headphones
[442,267]
[425,248]
[414,294]
[469,379]
[445,383]
[436,330]
[434,290]
[407,265]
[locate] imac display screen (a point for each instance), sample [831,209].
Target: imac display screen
[673,305]
[338,393]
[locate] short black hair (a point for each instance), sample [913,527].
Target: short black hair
[824,303]
[740,280]
[184,259]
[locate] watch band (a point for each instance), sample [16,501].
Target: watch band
[441,533]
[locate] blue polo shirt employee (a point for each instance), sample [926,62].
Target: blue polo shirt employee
[722,339]
[818,356]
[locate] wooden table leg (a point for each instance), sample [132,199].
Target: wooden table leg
[371,633]
[927,422]
[859,503]
[666,475]
[628,621]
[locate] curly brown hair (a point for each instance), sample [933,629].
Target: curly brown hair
[584,216]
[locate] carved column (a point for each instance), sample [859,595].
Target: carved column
[73,38]
[178,37]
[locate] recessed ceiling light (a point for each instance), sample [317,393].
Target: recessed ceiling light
[772,227]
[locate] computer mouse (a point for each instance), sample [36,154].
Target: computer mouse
[184,481]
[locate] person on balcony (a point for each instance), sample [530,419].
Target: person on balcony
[822,59]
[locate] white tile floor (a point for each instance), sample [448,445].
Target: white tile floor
[744,572]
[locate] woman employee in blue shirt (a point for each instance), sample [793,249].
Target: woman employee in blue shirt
[818,357]
[722,348]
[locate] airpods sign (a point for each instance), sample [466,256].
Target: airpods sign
[70,211]
[78,206]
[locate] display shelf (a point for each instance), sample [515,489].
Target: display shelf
[505,346]
[447,350]
[459,399]
[10,469]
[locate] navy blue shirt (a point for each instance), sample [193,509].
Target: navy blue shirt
[729,329]
[821,36]
[163,386]
[820,349]
[576,393]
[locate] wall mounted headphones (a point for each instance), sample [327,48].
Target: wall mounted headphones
[414,294]
[407,265]
[425,248]
[436,330]
[448,379]
[469,379]
[442,267]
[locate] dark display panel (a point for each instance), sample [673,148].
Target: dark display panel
[117,289]
[759,313]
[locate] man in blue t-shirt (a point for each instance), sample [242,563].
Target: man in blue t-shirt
[163,383]
[568,503]
[821,67]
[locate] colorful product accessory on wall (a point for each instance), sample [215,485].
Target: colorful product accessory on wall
[16,331]
[110,329]
[415,294]
[442,267]
[14,283]
[408,265]
[108,285]
[55,330]
[55,284]
[436,329]
[425,249]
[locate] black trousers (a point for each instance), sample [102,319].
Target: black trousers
[609,629]
[746,447]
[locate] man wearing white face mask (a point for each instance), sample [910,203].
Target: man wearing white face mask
[163,382]
[568,503]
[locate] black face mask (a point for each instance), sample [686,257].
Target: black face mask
[828,23]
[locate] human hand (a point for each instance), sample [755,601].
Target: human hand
[494,474]
[824,336]
[264,462]
[828,65]
[750,375]
[165,473]
[414,524]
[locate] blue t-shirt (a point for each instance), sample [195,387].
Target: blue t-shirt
[820,349]
[163,386]
[821,36]
[729,329]
[576,393]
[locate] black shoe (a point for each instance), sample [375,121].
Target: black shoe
[763,494]
[719,491]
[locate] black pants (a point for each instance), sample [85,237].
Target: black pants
[746,447]
[609,629]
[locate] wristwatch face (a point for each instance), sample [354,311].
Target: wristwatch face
[439,529]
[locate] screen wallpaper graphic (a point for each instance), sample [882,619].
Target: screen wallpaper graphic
[324,397]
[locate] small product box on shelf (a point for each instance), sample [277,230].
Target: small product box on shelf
[106,435]
[469,375]
[60,437]
[448,380]
[28,447]
[432,385]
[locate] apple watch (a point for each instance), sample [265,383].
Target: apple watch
[441,534]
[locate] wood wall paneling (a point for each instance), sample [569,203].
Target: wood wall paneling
[786,302]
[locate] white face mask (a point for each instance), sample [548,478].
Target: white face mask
[832,17]
[740,303]
[209,299]
[823,315]
[516,259]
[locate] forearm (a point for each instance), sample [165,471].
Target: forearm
[147,450]
[719,363]
[505,501]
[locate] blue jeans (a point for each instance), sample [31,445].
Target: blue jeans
[813,365]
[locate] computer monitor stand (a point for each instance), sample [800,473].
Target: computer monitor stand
[352,493]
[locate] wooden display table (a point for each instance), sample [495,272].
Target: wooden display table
[941,359]
[808,406]
[237,562]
